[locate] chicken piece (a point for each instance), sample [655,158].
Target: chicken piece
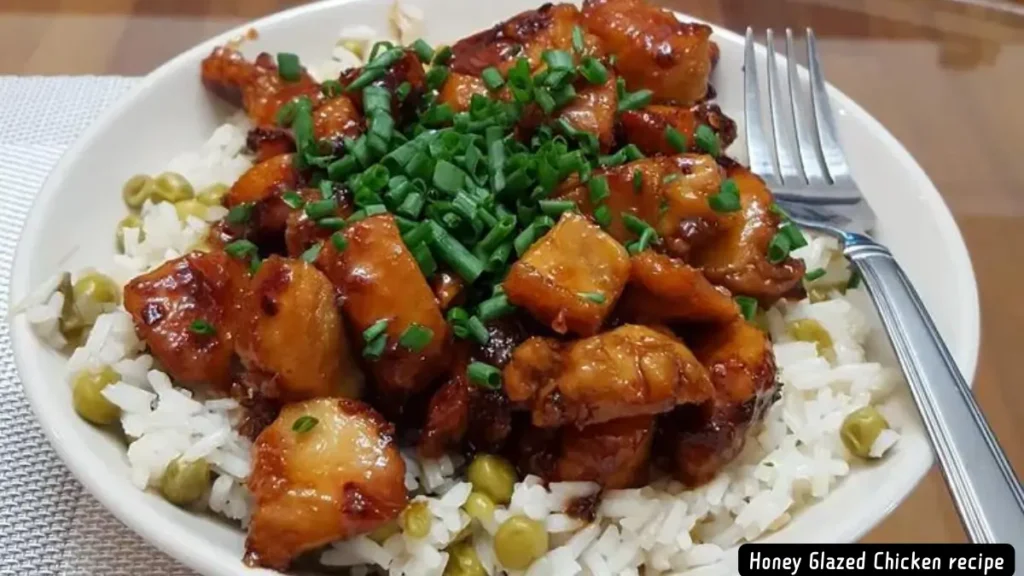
[340,478]
[646,127]
[449,288]
[654,50]
[570,278]
[665,290]
[378,279]
[407,69]
[527,35]
[294,337]
[261,187]
[594,110]
[628,371]
[459,89]
[187,311]
[337,119]
[738,257]
[671,194]
[697,441]
[256,86]
[267,142]
[302,232]
[613,454]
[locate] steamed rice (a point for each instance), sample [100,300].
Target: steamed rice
[792,460]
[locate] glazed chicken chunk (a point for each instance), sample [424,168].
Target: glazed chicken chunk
[263,213]
[613,454]
[665,290]
[571,278]
[646,127]
[655,50]
[379,283]
[628,371]
[294,341]
[697,441]
[325,470]
[186,311]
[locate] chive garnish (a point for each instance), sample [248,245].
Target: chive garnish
[339,241]
[595,297]
[813,275]
[578,43]
[241,249]
[484,375]
[288,67]
[707,140]
[292,199]
[492,78]
[675,139]
[375,329]
[415,338]
[202,327]
[635,100]
[304,424]
[239,214]
[311,253]
[423,51]
[748,306]
[727,199]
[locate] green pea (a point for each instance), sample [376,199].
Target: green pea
[184,482]
[136,190]
[72,323]
[87,397]
[463,561]
[213,195]
[860,429]
[172,187]
[415,520]
[190,207]
[810,330]
[494,476]
[479,506]
[98,288]
[520,541]
[129,221]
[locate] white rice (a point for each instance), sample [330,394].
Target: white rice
[791,461]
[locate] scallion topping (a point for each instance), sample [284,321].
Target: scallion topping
[304,424]
[375,330]
[599,189]
[603,216]
[748,307]
[241,249]
[813,275]
[578,43]
[239,214]
[477,330]
[288,67]
[495,307]
[484,375]
[202,327]
[595,297]
[321,208]
[293,200]
[635,100]
[311,253]
[594,71]
[727,199]
[415,338]
[675,139]
[492,78]
[339,242]
[707,140]
[423,51]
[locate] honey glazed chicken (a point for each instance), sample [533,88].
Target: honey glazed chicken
[530,244]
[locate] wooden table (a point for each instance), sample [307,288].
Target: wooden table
[946,77]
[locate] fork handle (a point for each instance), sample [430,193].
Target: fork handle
[988,495]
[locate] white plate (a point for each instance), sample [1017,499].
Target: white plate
[71,224]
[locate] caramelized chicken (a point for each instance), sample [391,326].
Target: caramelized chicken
[267,141]
[655,50]
[738,258]
[337,119]
[449,288]
[629,371]
[527,35]
[259,191]
[594,110]
[256,86]
[294,337]
[671,194]
[570,278]
[407,69]
[646,127]
[186,311]
[325,470]
[613,454]
[697,441]
[459,89]
[378,280]
[302,232]
[665,290]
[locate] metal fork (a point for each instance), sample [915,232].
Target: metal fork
[814,185]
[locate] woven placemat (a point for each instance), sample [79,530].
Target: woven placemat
[48,523]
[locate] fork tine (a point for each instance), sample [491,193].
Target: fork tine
[824,121]
[785,142]
[759,150]
[809,159]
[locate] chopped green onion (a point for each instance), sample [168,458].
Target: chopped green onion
[634,224]
[638,181]
[202,327]
[628,153]
[375,348]
[423,51]
[477,330]
[340,169]
[377,47]
[814,274]
[675,139]
[458,318]
[415,338]
[578,43]
[778,247]
[727,199]
[239,214]
[707,140]
[594,71]
[331,88]
[496,261]
[545,100]
[670,179]
[442,55]
[484,375]
[497,234]
[492,78]
[448,177]
[288,67]
[326,189]
[495,307]
[321,208]
[795,236]
[538,228]
[304,424]
[635,100]
[555,208]
[424,259]
[462,261]
[312,252]
[241,249]
[748,306]
[595,297]
[436,77]
[375,329]
[437,115]
[418,235]
[557,59]
[603,216]
[646,237]
[854,280]
[331,223]
[412,206]
[403,90]
[778,211]
[368,76]
[285,113]
[599,189]
[339,241]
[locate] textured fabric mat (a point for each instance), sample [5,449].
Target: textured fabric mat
[48,523]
